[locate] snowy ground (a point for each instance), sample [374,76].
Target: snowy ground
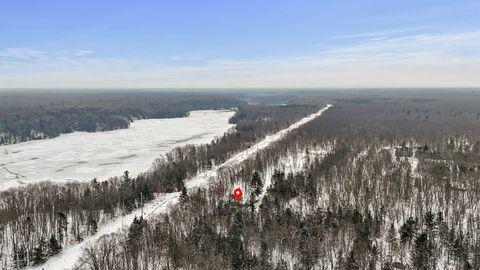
[83,156]
[293,162]
[67,258]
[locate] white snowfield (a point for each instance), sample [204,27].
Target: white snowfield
[82,156]
[69,256]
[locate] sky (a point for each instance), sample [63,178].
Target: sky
[239,44]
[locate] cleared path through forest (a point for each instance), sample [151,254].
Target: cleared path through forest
[70,254]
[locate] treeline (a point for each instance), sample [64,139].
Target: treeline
[398,193]
[38,220]
[38,115]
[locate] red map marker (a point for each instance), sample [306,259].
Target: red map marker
[237,193]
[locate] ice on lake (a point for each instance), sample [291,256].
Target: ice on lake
[84,156]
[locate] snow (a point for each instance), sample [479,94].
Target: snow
[67,258]
[83,156]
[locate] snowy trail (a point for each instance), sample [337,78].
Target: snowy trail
[69,256]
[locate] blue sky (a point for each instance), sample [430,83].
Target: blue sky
[262,43]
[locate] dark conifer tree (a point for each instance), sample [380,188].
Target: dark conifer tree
[257,183]
[351,263]
[53,246]
[183,195]
[19,260]
[422,252]
[39,253]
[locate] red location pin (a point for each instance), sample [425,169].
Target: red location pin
[237,193]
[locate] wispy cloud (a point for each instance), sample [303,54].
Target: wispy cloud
[383,33]
[398,60]
[187,58]
[82,52]
[21,53]
[28,61]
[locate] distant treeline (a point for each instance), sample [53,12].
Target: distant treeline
[30,115]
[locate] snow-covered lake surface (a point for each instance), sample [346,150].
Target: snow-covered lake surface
[84,156]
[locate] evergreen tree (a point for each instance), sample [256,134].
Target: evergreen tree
[92,224]
[183,195]
[135,232]
[236,248]
[209,164]
[429,221]
[126,176]
[19,260]
[407,231]
[422,252]
[134,239]
[179,182]
[311,187]
[147,192]
[39,255]
[257,184]
[62,226]
[54,246]
[351,264]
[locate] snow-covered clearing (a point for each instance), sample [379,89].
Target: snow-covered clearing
[83,156]
[292,162]
[67,258]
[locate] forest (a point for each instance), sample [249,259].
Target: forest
[385,179]
[385,183]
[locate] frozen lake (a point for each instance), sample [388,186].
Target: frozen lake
[84,156]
